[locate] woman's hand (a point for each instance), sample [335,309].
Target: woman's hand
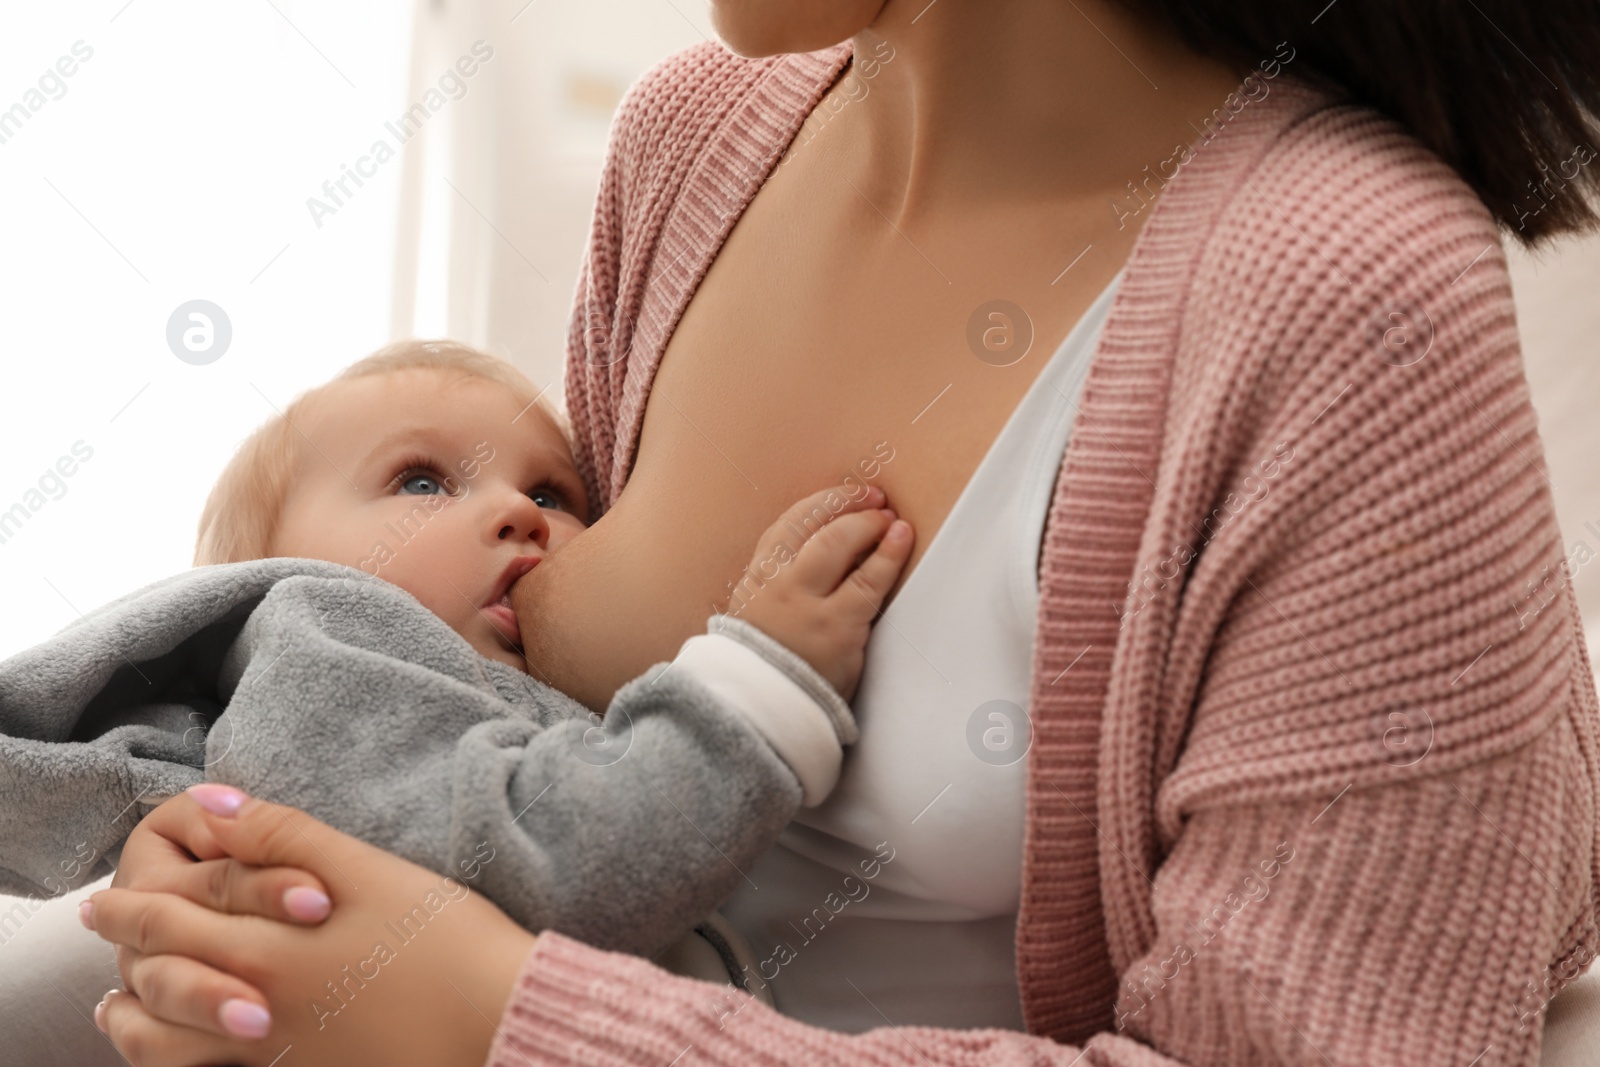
[410,967]
[172,850]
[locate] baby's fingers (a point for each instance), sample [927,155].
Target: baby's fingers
[870,583]
[800,524]
[814,511]
[146,1041]
[830,557]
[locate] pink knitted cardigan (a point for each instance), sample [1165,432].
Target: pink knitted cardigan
[1314,769]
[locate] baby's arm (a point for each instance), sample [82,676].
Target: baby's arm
[656,817]
[815,584]
[804,588]
[623,836]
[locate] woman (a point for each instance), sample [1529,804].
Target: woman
[1305,773]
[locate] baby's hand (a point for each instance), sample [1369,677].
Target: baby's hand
[809,587]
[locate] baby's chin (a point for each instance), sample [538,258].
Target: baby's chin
[509,658]
[501,654]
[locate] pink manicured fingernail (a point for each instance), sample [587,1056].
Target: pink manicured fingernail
[899,530]
[100,1014]
[306,904]
[217,799]
[244,1019]
[86,914]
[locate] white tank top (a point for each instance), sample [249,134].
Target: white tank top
[895,901]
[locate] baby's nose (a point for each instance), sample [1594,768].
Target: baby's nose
[521,518]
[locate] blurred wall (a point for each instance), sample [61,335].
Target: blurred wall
[524,163]
[1558,310]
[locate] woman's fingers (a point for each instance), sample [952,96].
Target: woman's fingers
[474,945]
[159,924]
[160,858]
[267,835]
[175,826]
[286,894]
[185,992]
[146,1041]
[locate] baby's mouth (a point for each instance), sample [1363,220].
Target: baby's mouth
[504,619]
[498,610]
[500,594]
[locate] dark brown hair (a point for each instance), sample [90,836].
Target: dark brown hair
[1505,91]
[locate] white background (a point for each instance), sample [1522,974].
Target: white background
[190,143]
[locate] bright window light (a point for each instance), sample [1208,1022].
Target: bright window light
[153,154]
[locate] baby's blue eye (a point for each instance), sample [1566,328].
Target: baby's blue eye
[556,500]
[422,485]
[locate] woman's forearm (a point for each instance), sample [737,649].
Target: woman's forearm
[1294,914]
[576,1004]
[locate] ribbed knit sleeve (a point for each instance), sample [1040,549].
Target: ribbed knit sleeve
[1347,764]
[579,1005]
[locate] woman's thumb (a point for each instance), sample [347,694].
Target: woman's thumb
[263,834]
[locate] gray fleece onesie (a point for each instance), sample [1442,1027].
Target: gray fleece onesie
[315,685]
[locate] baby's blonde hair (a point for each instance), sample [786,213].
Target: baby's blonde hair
[242,513]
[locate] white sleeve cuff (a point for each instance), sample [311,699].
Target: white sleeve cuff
[795,725]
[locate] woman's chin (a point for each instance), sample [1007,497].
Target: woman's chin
[758,28]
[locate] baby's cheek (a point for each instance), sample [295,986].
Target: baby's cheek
[563,528]
[487,643]
[455,611]
[433,593]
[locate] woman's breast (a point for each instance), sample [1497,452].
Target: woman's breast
[794,370]
[821,346]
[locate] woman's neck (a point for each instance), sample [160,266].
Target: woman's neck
[996,101]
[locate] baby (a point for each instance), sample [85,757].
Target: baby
[434,467]
[348,646]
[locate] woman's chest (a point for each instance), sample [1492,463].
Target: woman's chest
[825,337]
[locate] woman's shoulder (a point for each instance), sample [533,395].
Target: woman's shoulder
[705,94]
[1341,192]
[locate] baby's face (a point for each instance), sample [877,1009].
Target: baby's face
[448,487]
